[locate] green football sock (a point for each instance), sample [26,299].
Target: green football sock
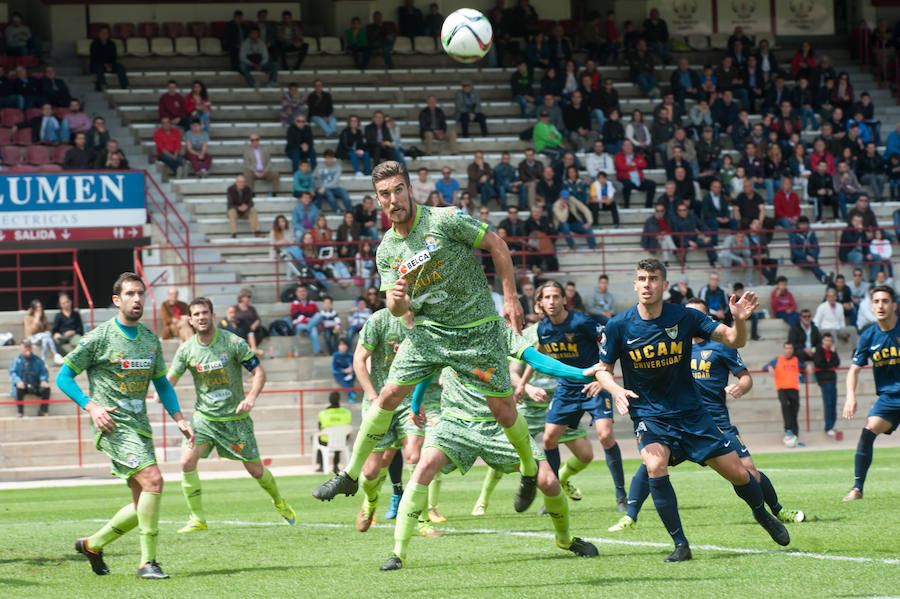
[558,510]
[371,431]
[415,496]
[148,524]
[434,491]
[491,478]
[267,482]
[373,487]
[190,485]
[521,442]
[124,520]
[572,467]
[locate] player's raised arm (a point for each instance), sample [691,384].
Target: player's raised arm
[607,382]
[850,402]
[741,309]
[512,309]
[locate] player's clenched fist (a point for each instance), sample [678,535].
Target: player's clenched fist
[399,292]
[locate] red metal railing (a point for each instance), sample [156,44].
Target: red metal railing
[19,270]
[174,228]
[139,269]
[83,286]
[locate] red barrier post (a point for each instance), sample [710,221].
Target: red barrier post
[302,432]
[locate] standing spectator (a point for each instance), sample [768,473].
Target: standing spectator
[805,250]
[327,182]
[305,318]
[299,143]
[366,217]
[357,43]
[783,304]
[168,147]
[481,177]
[630,173]
[468,108]
[235,34]
[342,368]
[448,187]
[28,375]
[656,33]
[787,205]
[54,89]
[657,233]
[175,318]
[530,171]
[352,146]
[871,170]
[603,197]
[196,148]
[97,136]
[254,56]
[379,140]
[248,320]
[37,330]
[805,337]
[571,217]
[258,164]
[292,104]
[715,298]
[825,361]
[409,19]
[67,328]
[381,38]
[830,318]
[641,66]
[103,60]
[197,105]
[434,20]
[289,40]
[433,125]
[171,105]
[240,205]
[600,303]
[78,157]
[522,88]
[786,370]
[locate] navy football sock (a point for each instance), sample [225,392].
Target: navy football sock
[769,494]
[667,507]
[638,491]
[553,459]
[752,494]
[396,472]
[863,458]
[614,463]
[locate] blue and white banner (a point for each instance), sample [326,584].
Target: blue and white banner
[72,200]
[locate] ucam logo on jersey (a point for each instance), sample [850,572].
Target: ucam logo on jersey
[410,264]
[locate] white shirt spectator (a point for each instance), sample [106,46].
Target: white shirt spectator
[420,190]
[603,162]
[829,317]
[865,316]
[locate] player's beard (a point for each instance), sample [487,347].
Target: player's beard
[395,217]
[132,316]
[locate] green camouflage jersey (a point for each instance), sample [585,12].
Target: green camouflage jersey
[382,335]
[119,371]
[447,286]
[216,369]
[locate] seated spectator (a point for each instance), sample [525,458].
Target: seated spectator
[299,143]
[657,233]
[548,189]
[480,177]
[468,108]
[787,205]
[540,231]
[321,109]
[97,135]
[805,250]
[381,38]
[28,375]
[103,60]
[603,197]
[600,160]
[292,104]
[715,299]
[254,56]
[448,187]
[681,292]
[641,65]
[303,181]
[630,173]
[266,32]
[783,304]
[433,21]
[235,34]
[530,172]
[45,128]
[577,118]
[410,21]
[600,303]
[871,170]
[289,40]
[521,85]
[197,105]
[117,161]
[357,42]
[638,133]
[358,316]
[171,105]
[306,317]
[37,331]
[67,328]
[342,367]
[304,215]
[735,252]
[79,157]
[571,217]
[804,335]
[230,323]
[365,216]
[327,182]
[248,320]
[378,139]
[28,88]
[397,140]
[506,180]
[572,298]
[282,238]
[546,137]
[168,147]
[352,146]
[110,153]
[820,189]
[420,187]
[690,234]
[858,288]
[196,148]
[240,205]
[880,247]
[854,248]
[19,39]
[79,122]
[310,258]
[258,164]
[767,265]
[54,89]
[715,212]
[175,318]
[685,83]
[829,318]
[433,125]
[9,98]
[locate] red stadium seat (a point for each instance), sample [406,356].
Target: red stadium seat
[21,169]
[31,113]
[391,26]
[37,155]
[23,137]
[172,29]
[8,62]
[123,30]
[197,29]
[5,137]
[3,27]
[12,155]
[94,29]
[49,168]
[217,29]
[148,29]
[60,112]
[11,116]
[59,153]
[545,26]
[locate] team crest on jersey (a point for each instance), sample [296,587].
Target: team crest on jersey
[132,461]
[570,337]
[672,332]
[705,354]
[430,243]
[395,263]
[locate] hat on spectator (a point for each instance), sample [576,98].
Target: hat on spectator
[564,194]
[544,112]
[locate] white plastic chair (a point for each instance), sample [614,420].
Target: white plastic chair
[337,441]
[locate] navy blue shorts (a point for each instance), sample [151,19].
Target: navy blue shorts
[887,408]
[691,436]
[733,438]
[568,405]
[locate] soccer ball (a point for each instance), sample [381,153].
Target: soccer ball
[466,35]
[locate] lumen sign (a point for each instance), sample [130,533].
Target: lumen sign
[72,200]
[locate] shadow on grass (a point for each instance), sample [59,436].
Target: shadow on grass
[13,582]
[41,561]
[227,571]
[605,581]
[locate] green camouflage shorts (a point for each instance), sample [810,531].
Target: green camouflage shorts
[129,450]
[401,427]
[232,439]
[432,414]
[465,441]
[535,417]
[477,354]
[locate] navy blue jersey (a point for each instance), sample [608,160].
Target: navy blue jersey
[655,356]
[710,364]
[574,342]
[884,349]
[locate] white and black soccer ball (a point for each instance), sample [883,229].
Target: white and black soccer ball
[466,35]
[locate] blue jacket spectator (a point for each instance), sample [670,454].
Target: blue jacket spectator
[28,375]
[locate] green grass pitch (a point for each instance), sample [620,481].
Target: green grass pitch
[849,550]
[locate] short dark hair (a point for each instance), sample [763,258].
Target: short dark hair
[126,276]
[388,169]
[781,279]
[171,81]
[829,335]
[327,297]
[328,152]
[886,289]
[803,219]
[603,277]
[652,265]
[201,301]
[334,399]
[697,301]
[238,13]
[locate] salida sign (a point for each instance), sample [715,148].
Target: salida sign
[79,234]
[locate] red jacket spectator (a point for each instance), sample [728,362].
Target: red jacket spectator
[167,141]
[800,62]
[829,160]
[623,169]
[301,313]
[786,205]
[172,106]
[190,104]
[783,303]
[612,32]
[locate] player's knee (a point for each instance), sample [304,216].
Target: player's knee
[151,480]
[606,437]
[412,456]
[255,469]
[547,482]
